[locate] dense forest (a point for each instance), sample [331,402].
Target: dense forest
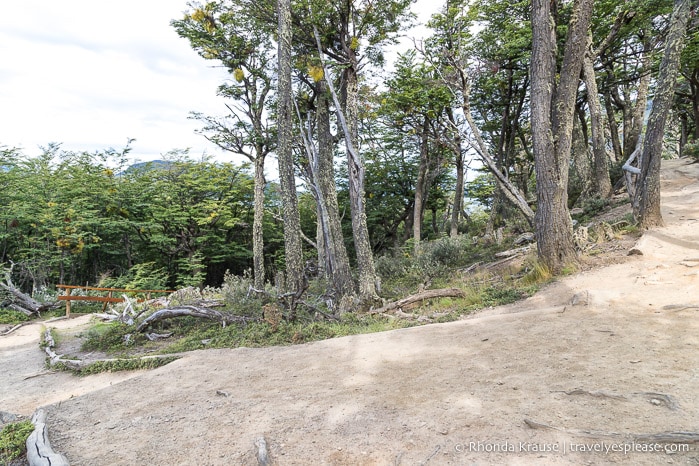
[506,116]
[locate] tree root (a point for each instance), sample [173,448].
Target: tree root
[660,437]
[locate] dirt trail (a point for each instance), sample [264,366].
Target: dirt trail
[590,362]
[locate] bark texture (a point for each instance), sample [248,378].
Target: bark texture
[647,205]
[552,113]
[295,280]
[601,184]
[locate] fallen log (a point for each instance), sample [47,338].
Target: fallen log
[427,294]
[22,302]
[192,311]
[39,450]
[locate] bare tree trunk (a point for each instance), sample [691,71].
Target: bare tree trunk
[648,193]
[292,225]
[601,184]
[420,188]
[552,127]
[362,245]
[458,190]
[258,259]
[639,110]
[342,273]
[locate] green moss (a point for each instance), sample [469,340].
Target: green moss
[116,365]
[13,438]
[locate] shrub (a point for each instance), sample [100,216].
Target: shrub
[691,150]
[13,438]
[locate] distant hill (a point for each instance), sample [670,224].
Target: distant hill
[153,165]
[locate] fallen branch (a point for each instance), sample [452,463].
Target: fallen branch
[427,294]
[22,302]
[513,252]
[14,328]
[39,451]
[262,453]
[78,365]
[192,311]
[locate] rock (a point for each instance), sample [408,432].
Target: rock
[635,252]
[6,418]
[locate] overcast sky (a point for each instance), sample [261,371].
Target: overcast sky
[90,74]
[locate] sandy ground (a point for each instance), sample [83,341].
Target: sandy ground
[592,362]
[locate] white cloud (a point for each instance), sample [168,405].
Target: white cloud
[92,74]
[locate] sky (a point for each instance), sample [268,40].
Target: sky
[92,74]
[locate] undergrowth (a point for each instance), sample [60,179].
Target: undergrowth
[12,317]
[13,438]
[443,263]
[116,365]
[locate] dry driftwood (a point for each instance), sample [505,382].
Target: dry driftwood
[22,302]
[39,451]
[192,311]
[427,294]
[261,452]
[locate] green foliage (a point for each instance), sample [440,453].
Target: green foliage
[154,226]
[10,316]
[13,438]
[117,365]
[108,337]
[691,150]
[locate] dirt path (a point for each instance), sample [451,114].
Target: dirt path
[591,362]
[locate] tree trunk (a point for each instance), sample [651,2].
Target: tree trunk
[647,212]
[348,121]
[258,259]
[292,225]
[613,126]
[601,184]
[552,127]
[337,259]
[458,189]
[360,231]
[420,188]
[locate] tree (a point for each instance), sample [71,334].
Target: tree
[332,253]
[341,30]
[647,196]
[228,32]
[295,279]
[552,113]
[451,53]
[416,101]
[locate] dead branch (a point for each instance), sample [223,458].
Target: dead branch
[39,450]
[262,453]
[192,311]
[14,328]
[22,302]
[513,252]
[427,294]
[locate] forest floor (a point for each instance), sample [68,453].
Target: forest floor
[602,360]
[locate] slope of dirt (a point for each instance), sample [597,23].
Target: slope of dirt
[594,361]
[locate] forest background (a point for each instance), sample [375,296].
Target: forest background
[381,166]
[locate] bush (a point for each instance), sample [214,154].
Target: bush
[691,150]
[9,316]
[13,438]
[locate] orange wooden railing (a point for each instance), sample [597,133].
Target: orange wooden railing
[110,298]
